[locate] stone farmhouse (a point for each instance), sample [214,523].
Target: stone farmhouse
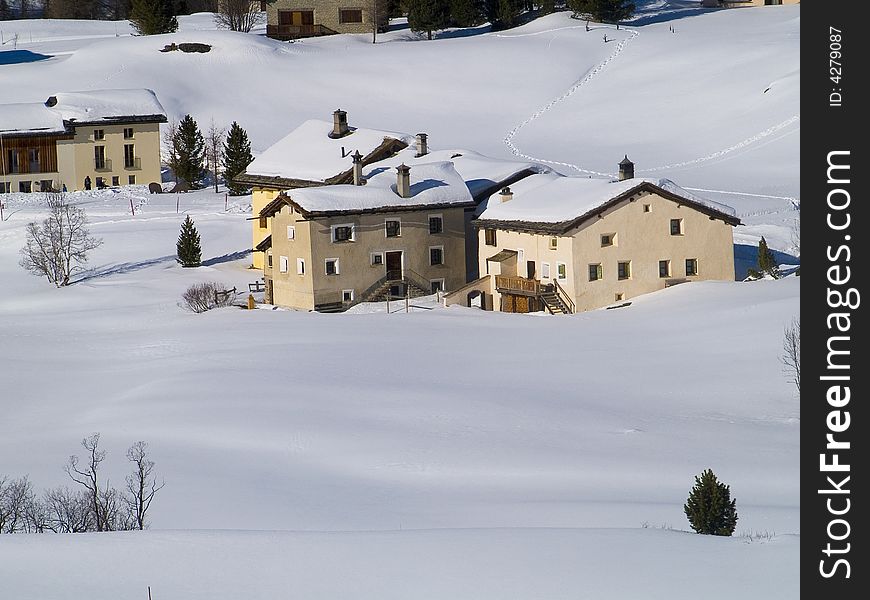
[79,140]
[292,19]
[568,244]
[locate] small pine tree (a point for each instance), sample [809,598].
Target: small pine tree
[709,508]
[766,261]
[151,17]
[603,11]
[189,147]
[428,15]
[237,157]
[188,249]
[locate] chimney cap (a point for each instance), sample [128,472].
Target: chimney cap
[356,156]
[338,111]
[625,161]
[403,168]
[423,135]
[506,190]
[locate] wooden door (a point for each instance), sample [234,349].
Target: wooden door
[530,265]
[393,262]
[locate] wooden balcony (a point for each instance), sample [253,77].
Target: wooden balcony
[522,286]
[292,32]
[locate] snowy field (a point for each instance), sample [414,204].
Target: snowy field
[445,452]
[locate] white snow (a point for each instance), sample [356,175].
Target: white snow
[432,184]
[107,105]
[27,118]
[547,198]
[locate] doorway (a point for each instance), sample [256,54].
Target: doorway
[393,263]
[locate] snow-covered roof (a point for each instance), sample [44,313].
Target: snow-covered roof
[308,153]
[67,109]
[432,184]
[553,199]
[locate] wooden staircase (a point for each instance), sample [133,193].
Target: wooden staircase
[556,299]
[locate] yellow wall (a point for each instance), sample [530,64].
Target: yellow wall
[259,199]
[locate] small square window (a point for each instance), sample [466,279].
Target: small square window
[676,227]
[101,183]
[269,259]
[647,208]
[623,270]
[342,233]
[436,285]
[263,222]
[554,243]
[608,239]
[619,297]
[436,255]
[116,181]
[300,266]
[595,272]
[664,268]
[4,187]
[291,232]
[377,259]
[490,237]
[131,179]
[347,295]
[350,15]
[99,134]
[393,228]
[128,133]
[25,186]
[691,266]
[561,271]
[332,266]
[545,270]
[283,264]
[436,224]
[45,185]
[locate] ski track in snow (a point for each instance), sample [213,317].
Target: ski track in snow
[508,139]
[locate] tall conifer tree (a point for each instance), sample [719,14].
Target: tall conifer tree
[237,157]
[428,15]
[188,250]
[189,147]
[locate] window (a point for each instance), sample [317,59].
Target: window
[676,227]
[33,159]
[623,270]
[342,233]
[347,295]
[101,183]
[5,187]
[45,185]
[393,228]
[283,264]
[490,237]
[436,224]
[436,255]
[521,256]
[291,232]
[554,243]
[647,208]
[595,272]
[664,268]
[116,181]
[131,179]
[269,259]
[619,297]
[561,271]
[691,266]
[263,222]
[545,270]
[12,161]
[24,186]
[377,258]
[608,239]
[436,285]
[332,266]
[300,266]
[99,134]
[99,157]
[128,133]
[129,156]
[349,15]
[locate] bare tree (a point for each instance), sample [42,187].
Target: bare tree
[88,477]
[237,15]
[214,149]
[141,484]
[379,15]
[58,247]
[15,495]
[170,152]
[791,345]
[68,511]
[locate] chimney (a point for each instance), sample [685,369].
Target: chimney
[626,169]
[422,145]
[357,168]
[403,183]
[505,195]
[52,101]
[339,124]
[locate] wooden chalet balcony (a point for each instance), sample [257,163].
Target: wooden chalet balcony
[512,284]
[291,32]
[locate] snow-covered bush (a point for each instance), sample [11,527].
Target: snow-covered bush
[201,297]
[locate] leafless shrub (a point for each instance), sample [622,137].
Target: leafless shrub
[791,345]
[201,297]
[68,511]
[237,15]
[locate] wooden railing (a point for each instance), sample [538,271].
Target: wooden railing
[564,297]
[290,32]
[515,284]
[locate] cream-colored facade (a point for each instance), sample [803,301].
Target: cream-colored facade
[633,247]
[288,19]
[261,226]
[297,274]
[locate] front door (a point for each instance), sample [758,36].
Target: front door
[530,265]
[303,17]
[393,262]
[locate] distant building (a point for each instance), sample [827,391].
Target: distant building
[76,140]
[739,3]
[568,244]
[291,19]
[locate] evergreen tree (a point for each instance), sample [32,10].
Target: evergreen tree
[766,261]
[603,11]
[5,11]
[709,508]
[188,249]
[465,13]
[189,147]
[237,157]
[151,17]
[506,14]
[548,6]
[428,15]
